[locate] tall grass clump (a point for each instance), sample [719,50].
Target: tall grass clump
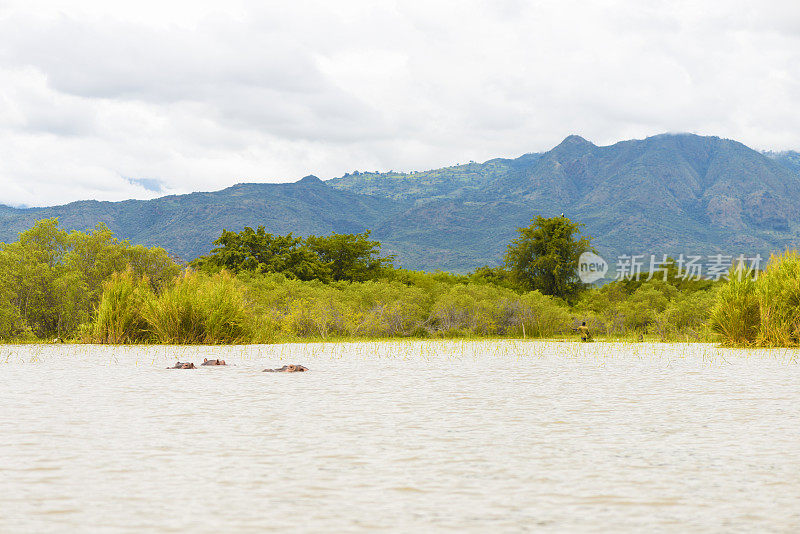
[763,312]
[778,291]
[201,309]
[735,317]
[119,317]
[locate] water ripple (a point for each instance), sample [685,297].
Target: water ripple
[434,436]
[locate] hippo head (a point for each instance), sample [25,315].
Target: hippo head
[212,362]
[287,369]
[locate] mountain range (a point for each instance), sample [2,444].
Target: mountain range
[667,194]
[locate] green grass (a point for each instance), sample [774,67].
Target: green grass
[764,312]
[120,316]
[200,309]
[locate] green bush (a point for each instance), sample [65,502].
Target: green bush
[685,317]
[314,317]
[469,309]
[199,308]
[542,315]
[384,309]
[778,292]
[735,317]
[120,317]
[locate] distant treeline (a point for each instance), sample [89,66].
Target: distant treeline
[258,288]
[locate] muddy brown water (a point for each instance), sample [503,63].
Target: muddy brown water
[485,436]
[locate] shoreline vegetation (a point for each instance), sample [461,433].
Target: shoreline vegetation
[256,288]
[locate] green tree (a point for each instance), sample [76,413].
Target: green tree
[498,276]
[256,250]
[545,257]
[351,257]
[11,323]
[155,264]
[36,277]
[52,281]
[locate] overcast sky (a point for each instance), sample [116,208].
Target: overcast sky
[115,100]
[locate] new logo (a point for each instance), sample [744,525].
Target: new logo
[591,267]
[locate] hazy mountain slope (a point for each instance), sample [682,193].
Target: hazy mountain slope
[448,183]
[689,194]
[187,224]
[454,235]
[789,159]
[667,194]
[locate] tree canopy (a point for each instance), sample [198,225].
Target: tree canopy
[350,257]
[337,257]
[256,250]
[545,257]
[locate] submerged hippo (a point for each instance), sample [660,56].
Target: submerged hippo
[186,365]
[212,362]
[287,369]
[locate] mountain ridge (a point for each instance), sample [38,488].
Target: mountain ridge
[665,194]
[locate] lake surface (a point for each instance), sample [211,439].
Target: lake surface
[487,436]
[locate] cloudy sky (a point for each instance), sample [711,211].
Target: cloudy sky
[115,100]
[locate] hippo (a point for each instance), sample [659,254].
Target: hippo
[212,362]
[186,365]
[287,369]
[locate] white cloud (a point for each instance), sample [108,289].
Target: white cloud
[103,100]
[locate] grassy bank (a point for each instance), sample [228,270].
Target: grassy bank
[265,308]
